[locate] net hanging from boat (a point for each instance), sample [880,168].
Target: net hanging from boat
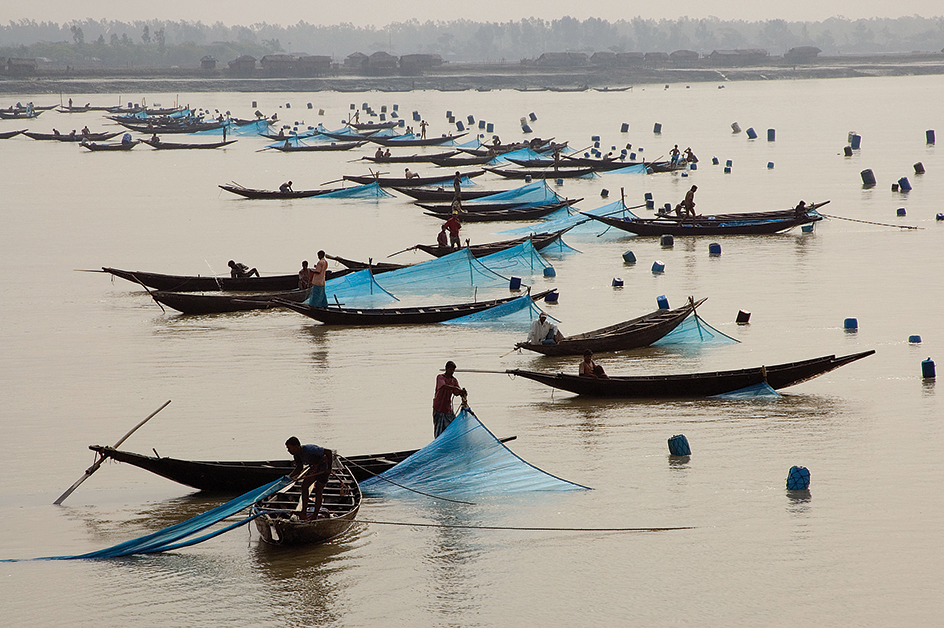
[516,315]
[522,259]
[757,391]
[537,193]
[456,274]
[358,289]
[182,534]
[465,460]
[694,330]
[633,169]
[575,221]
[368,190]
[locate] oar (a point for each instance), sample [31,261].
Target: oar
[412,248]
[101,459]
[330,182]
[150,293]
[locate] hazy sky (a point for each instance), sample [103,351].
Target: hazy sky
[380,13]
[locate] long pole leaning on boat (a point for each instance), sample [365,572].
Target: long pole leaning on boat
[101,458]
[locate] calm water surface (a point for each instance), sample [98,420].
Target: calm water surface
[85,358]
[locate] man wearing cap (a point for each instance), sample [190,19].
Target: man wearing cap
[543,332]
[447,387]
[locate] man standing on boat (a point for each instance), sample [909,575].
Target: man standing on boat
[447,387]
[318,297]
[319,461]
[454,225]
[423,125]
[689,203]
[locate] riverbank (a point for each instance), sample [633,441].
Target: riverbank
[459,77]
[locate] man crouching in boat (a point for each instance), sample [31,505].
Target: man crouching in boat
[319,461]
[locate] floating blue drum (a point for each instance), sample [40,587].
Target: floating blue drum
[663,302]
[448,114]
[658,267]
[383,117]
[929,134]
[939,217]
[728,163]
[254,104]
[527,178]
[559,181]
[927,369]
[657,128]
[532,117]
[551,298]
[617,282]
[624,128]
[855,141]
[901,211]
[310,106]
[770,165]
[459,125]
[514,283]
[919,168]
[288,105]
[735,127]
[396,107]
[904,185]
[807,228]
[481,124]
[850,324]
[490,127]
[915,340]
[393,114]
[684,175]
[693,166]
[525,129]
[383,108]
[471,120]
[847,151]
[650,204]
[714,249]
[416,116]
[604,193]
[715,161]
[402,122]
[632,156]
[751,133]
[771,135]
[595,139]
[798,479]
[743,317]
[868,177]
[629,257]
[678,446]
[727,169]
[894,187]
[667,240]
[549,271]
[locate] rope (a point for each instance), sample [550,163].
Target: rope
[868,222]
[525,529]
[407,488]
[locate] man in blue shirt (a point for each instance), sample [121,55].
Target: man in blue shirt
[319,461]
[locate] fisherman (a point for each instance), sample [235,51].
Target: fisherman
[447,387]
[409,175]
[154,138]
[319,462]
[544,332]
[589,368]
[453,225]
[800,209]
[318,297]
[442,240]
[423,125]
[689,203]
[305,276]
[286,187]
[380,153]
[237,270]
[674,154]
[690,156]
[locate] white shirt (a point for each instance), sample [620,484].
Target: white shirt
[539,331]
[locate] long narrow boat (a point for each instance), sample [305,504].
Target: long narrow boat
[273,194]
[20,114]
[239,476]
[200,283]
[92,146]
[694,384]
[198,303]
[549,173]
[484,206]
[159,145]
[410,159]
[598,165]
[756,223]
[538,240]
[511,214]
[428,141]
[372,126]
[8,134]
[314,148]
[278,516]
[73,137]
[403,182]
[398,315]
[375,267]
[443,193]
[631,334]
[459,162]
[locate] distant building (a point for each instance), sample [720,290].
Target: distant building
[418,63]
[312,65]
[603,59]
[278,65]
[382,63]
[356,61]
[683,58]
[243,66]
[747,56]
[658,59]
[624,59]
[801,54]
[21,66]
[563,59]
[208,63]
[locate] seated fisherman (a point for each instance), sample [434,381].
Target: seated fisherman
[544,332]
[589,368]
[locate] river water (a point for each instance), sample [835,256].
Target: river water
[85,358]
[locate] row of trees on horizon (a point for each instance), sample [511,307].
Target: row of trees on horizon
[166,42]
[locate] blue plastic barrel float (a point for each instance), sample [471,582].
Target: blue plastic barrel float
[549,271]
[658,267]
[663,302]
[927,369]
[629,257]
[657,128]
[471,119]
[904,185]
[901,212]
[481,124]
[743,317]
[770,165]
[624,128]
[914,339]
[490,127]
[855,140]
[617,282]
[678,446]
[514,283]
[919,168]
[383,108]
[751,133]
[929,135]
[868,177]
[850,324]
[714,249]
[459,125]
[847,151]
[551,298]
[667,240]
[798,479]
[771,135]
[532,117]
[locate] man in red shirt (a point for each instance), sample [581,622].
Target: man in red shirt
[454,225]
[447,387]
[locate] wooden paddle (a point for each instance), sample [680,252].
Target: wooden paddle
[101,458]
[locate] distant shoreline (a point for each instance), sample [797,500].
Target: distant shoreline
[459,77]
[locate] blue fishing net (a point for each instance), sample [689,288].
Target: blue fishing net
[522,259]
[537,193]
[757,391]
[633,169]
[458,274]
[368,190]
[358,289]
[695,330]
[516,315]
[466,460]
[182,534]
[576,222]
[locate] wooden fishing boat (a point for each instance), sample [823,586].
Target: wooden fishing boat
[198,303]
[92,146]
[397,315]
[273,194]
[201,283]
[505,215]
[598,165]
[612,89]
[484,206]
[311,148]
[239,476]
[443,193]
[403,182]
[459,162]
[8,134]
[372,126]
[548,173]
[160,145]
[579,88]
[428,141]
[410,159]
[690,385]
[538,145]
[631,334]
[280,521]
[20,114]
[538,240]
[755,223]
[73,137]
[150,128]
